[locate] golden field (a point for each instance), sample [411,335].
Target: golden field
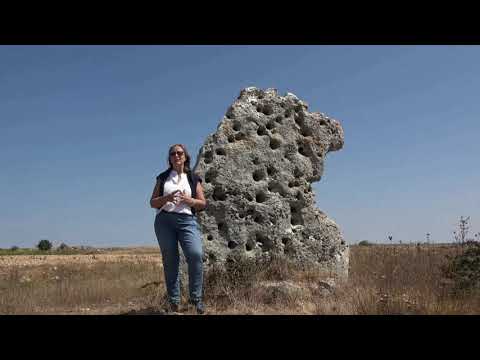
[384,279]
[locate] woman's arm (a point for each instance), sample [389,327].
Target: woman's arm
[200,201]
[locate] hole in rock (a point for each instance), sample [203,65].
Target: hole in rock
[220,151]
[288,113]
[237,125]
[297,173]
[302,151]
[240,136]
[271,170]
[219,194]
[285,240]
[229,113]
[267,109]
[275,143]
[323,122]
[259,108]
[306,132]
[248,247]
[298,119]
[270,125]
[258,219]
[261,197]
[279,119]
[231,138]
[221,226]
[260,238]
[275,186]
[258,175]
[256,161]
[210,237]
[264,240]
[296,220]
[261,131]
[210,175]
[295,215]
[208,157]
[232,244]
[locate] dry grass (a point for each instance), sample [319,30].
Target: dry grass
[383,280]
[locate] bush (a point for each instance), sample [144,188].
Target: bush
[63,247]
[364,243]
[14,248]
[44,245]
[464,269]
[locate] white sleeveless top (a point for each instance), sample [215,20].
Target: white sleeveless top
[175,182]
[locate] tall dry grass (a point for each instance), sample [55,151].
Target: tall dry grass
[75,288]
[396,279]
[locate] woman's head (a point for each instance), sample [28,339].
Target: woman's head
[178,155]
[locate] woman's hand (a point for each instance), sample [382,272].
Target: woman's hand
[185,199]
[174,197]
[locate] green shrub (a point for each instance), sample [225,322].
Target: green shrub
[365,243]
[464,269]
[14,248]
[44,245]
[63,247]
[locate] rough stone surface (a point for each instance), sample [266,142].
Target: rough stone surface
[257,170]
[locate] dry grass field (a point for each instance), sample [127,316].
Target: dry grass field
[393,279]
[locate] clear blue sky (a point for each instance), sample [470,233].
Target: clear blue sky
[84,130]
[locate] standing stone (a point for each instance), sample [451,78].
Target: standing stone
[257,170]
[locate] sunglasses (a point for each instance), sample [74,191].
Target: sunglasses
[179,153]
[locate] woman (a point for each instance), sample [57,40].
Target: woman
[177,194]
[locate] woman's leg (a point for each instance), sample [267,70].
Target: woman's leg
[190,239]
[167,239]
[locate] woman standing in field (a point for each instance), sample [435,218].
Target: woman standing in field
[178,192]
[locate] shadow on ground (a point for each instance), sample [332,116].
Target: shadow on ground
[146,311]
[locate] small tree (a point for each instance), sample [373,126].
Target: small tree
[14,248]
[63,246]
[461,235]
[44,245]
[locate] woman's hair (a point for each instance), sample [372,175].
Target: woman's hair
[186,165]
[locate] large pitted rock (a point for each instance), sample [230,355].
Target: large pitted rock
[257,169]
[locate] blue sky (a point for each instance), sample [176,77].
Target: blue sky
[84,130]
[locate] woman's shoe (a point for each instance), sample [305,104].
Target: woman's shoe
[172,308]
[199,307]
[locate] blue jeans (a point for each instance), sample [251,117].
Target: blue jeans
[171,229]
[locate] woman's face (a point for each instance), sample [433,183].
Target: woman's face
[177,156]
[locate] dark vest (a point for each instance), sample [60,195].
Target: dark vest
[193,180]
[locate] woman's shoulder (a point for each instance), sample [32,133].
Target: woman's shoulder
[163,175]
[195,178]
